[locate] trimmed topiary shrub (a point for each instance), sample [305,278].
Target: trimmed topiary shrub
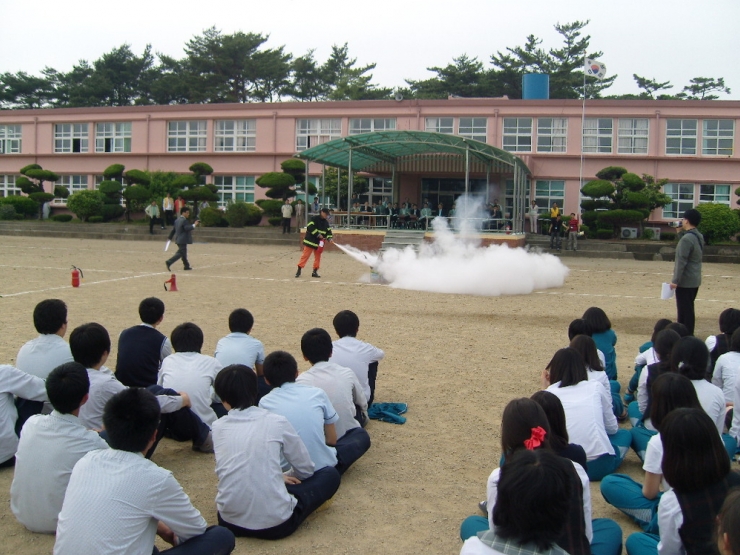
[270,207]
[62,217]
[275,220]
[604,234]
[648,234]
[7,212]
[112,212]
[22,205]
[211,217]
[238,213]
[611,173]
[718,222]
[667,236]
[95,220]
[85,204]
[598,188]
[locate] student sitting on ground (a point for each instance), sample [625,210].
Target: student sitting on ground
[360,357]
[255,498]
[307,408]
[117,501]
[189,371]
[49,448]
[241,348]
[728,524]
[14,382]
[344,391]
[142,348]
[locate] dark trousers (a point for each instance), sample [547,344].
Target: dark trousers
[181,425]
[168,217]
[372,375]
[153,221]
[26,409]
[310,494]
[216,540]
[286,225]
[350,447]
[182,252]
[685,307]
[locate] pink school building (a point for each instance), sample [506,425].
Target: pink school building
[691,143]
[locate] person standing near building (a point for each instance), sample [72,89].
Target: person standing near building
[153,212]
[533,215]
[179,205]
[183,238]
[572,232]
[556,226]
[299,211]
[317,231]
[168,205]
[287,210]
[687,269]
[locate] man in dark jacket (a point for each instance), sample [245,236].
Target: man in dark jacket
[687,269]
[183,237]
[317,231]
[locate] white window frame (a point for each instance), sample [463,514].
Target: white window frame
[232,188]
[598,135]
[10,139]
[552,134]
[71,138]
[718,137]
[74,183]
[475,128]
[7,186]
[318,131]
[508,207]
[633,135]
[710,192]
[238,135]
[445,125]
[517,135]
[547,191]
[359,126]
[187,135]
[683,199]
[681,137]
[113,136]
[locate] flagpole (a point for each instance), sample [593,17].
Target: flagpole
[583,123]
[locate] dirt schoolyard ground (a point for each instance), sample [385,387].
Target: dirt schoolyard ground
[455,359]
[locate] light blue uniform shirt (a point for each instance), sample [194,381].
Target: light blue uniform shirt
[240,348]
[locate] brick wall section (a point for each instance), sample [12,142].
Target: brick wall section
[370,241]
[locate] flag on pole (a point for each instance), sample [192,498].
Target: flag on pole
[594,68]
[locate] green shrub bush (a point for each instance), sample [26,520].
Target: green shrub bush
[112,212]
[270,207]
[667,236]
[62,217]
[604,234]
[718,222]
[275,220]
[211,217]
[22,205]
[648,234]
[85,204]
[240,213]
[95,220]
[7,212]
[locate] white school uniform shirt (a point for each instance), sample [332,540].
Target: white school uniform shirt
[735,428]
[646,358]
[40,356]
[588,416]
[357,356]
[113,504]
[712,400]
[48,450]
[492,493]
[194,374]
[600,377]
[670,520]
[103,386]
[725,374]
[249,445]
[240,348]
[343,389]
[14,382]
[654,459]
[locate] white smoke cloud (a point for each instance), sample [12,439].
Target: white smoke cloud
[455,263]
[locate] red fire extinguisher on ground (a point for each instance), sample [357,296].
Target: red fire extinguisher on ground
[76,275]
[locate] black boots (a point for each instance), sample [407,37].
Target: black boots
[298,272]
[315,274]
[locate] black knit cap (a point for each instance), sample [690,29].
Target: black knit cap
[693,216]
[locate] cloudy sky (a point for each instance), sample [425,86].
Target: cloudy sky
[666,40]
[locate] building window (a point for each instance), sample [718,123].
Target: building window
[312,132]
[597,135]
[547,192]
[70,137]
[680,136]
[186,136]
[473,128]
[7,186]
[440,125]
[517,134]
[358,126]
[74,183]
[633,136]
[379,189]
[508,207]
[10,139]
[552,134]
[718,137]
[113,137]
[719,194]
[232,188]
[236,135]
[682,195]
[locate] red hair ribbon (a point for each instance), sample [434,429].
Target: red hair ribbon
[538,436]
